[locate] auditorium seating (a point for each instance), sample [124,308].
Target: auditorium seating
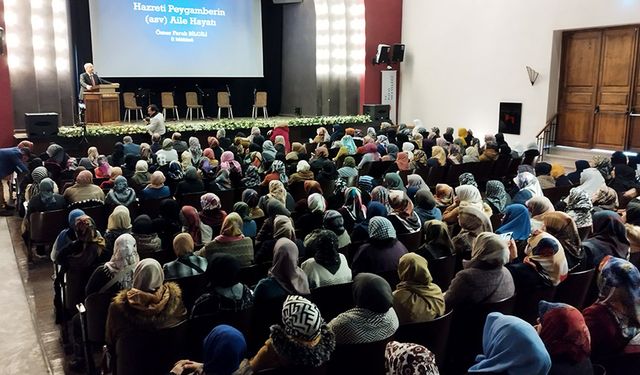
[411,241]
[44,228]
[371,358]
[333,299]
[442,271]
[192,287]
[433,334]
[526,307]
[573,290]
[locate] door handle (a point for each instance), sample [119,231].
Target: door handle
[596,110]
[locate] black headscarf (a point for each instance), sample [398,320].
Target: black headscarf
[625,178]
[324,244]
[223,271]
[275,207]
[543,169]
[424,199]
[372,292]
[633,212]
[143,225]
[170,210]
[609,235]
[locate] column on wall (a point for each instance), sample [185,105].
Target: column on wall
[340,26]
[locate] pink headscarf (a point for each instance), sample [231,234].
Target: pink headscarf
[227,161]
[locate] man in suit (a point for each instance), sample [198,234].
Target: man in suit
[89,78]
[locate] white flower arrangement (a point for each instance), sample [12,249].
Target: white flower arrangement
[194,126]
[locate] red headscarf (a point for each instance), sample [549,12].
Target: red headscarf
[192,223]
[564,332]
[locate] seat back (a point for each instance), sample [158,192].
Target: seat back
[162,256]
[192,99]
[527,303]
[54,171]
[99,216]
[250,275]
[455,170]
[74,288]
[223,99]
[97,306]
[370,355]
[379,168]
[411,241]
[500,167]
[191,199]
[333,299]
[435,176]
[44,227]
[403,176]
[264,314]
[512,169]
[227,199]
[433,335]
[557,193]
[151,207]
[192,287]
[297,191]
[166,99]
[442,271]
[573,290]
[143,352]
[261,99]
[129,99]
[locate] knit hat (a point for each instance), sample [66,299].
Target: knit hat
[380,228]
[301,318]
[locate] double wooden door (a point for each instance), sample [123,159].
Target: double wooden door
[600,89]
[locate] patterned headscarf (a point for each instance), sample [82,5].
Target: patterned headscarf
[546,256]
[563,228]
[527,181]
[277,191]
[444,195]
[409,359]
[195,149]
[380,228]
[353,204]
[278,167]
[497,195]
[467,179]
[564,332]
[301,318]
[605,198]
[381,194]
[316,203]
[191,222]
[209,201]
[228,162]
[603,165]
[619,284]
[125,254]
[579,207]
[252,177]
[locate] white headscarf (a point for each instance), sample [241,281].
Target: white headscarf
[125,253]
[591,181]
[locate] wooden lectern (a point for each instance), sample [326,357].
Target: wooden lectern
[102,104]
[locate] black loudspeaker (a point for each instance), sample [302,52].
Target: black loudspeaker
[377,112]
[41,125]
[382,55]
[397,53]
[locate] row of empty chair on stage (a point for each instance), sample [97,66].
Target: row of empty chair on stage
[192,103]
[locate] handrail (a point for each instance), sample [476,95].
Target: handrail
[548,124]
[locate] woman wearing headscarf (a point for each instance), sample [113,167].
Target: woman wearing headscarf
[466,196]
[409,359]
[496,197]
[516,221]
[212,213]
[631,219]
[605,198]
[402,216]
[67,235]
[268,152]
[371,154]
[490,152]
[591,181]
[420,160]
[327,266]
[436,242]
[83,254]
[609,237]
[472,222]
[538,206]
[438,157]
[544,264]
[334,222]
[91,160]
[416,298]
[511,346]
[581,165]
[393,182]
[360,231]
[37,175]
[46,199]
[467,179]
[563,228]
[528,185]
[381,253]
[579,208]
[224,348]
[186,160]
[119,223]
[192,224]
[425,206]
[167,151]
[103,170]
[347,141]
[624,178]
[150,304]
[353,211]
[444,196]
[191,184]
[120,194]
[402,161]
[454,156]
[141,177]
[285,277]
[471,155]
[83,190]
[249,228]
[381,194]
[373,319]
[231,241]
[603,165]
[146,236]
[313,216]
[564,333]
[415,183]
[543,173]
[187,263]
[156,188]
[348,168]
[251,198]
[303,173]
[614,319]
[117,273]
[484,278]
[558,173]
[195,149]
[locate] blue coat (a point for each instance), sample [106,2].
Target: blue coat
[11,161]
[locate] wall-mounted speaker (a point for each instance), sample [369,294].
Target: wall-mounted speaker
[41,125]
[382,55]
[377,112]
[397,53]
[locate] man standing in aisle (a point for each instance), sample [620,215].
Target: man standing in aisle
[89,79]
[155,120]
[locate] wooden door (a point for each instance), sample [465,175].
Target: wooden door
[579,85]
[617,70]
[634,121]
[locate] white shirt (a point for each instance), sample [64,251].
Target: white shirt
[156,124]
[319,276]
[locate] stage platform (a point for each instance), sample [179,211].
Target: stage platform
[105,136]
